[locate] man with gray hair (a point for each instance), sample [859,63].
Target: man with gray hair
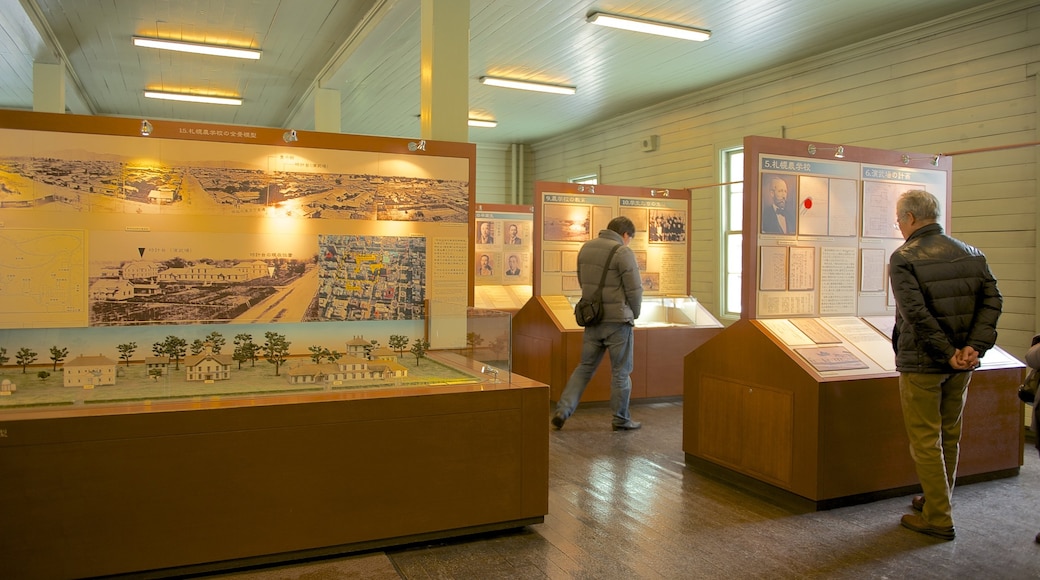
[947,306]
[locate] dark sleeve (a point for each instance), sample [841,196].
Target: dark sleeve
[983,333]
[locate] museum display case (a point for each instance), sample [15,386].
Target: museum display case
[546,340]
[226,348]
[547,344]
[799,399]
[504,246]
[185,482]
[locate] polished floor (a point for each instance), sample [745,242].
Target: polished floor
[624,505]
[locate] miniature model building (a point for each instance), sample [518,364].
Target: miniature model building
[208,367]
[88,371]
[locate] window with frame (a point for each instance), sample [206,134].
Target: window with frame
[732,191]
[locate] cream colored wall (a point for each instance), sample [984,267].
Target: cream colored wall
[962,82]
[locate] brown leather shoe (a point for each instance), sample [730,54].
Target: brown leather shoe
[917,503]
[917,524]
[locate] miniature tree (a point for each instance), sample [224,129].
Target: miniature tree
[215,341]
[276,349]
[58,355]
[419,348]
[197,346]
[175,348]
[126,350]
[332,356]
[371,346]
[499,345]
[473,340]
[3,356]
[318,353]
[25,357]
[398,342]
[245,349]
[43,375]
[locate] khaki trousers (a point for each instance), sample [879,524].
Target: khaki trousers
[933,409]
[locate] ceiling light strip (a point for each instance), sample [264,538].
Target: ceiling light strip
[192,47]
[482,123]
[649,26]
[189,98]
[528,85]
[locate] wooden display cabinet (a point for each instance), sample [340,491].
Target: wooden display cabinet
[208,484]
[756,412]
[547,345]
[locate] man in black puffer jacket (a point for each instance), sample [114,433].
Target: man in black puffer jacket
[947,306]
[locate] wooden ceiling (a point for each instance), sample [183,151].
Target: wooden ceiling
[369,51]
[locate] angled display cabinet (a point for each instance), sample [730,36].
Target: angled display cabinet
[800,398]
[547,342]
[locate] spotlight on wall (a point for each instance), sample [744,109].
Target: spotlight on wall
[839,151]
[146,128]
[290,136]
[420,146]
[659,192]
[935,160]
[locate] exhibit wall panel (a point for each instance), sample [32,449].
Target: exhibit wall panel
[960,83]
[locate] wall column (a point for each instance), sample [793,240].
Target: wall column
[444,70]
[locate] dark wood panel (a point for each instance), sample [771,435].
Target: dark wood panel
[99,495]
[846,437]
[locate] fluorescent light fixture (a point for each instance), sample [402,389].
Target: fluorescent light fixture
[189,98]
[528,86]
[649,26]
[210,49]
[482,123]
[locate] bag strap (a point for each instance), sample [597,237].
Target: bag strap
[606,266]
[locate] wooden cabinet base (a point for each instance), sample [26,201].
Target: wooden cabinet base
[752,413]
[183,488]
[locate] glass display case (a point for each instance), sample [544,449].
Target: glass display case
[657,312]
[231,367]
[547,344]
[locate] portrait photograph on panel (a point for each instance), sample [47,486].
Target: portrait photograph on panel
[779,204]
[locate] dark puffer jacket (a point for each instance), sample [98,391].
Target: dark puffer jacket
[623,288]
[947,298]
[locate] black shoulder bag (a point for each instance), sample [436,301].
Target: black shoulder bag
[589,311]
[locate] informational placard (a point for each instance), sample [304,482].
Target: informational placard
[202,240]
[503,256]
[825,230]
[568,215]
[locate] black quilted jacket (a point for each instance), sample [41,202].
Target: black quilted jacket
[946,299]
